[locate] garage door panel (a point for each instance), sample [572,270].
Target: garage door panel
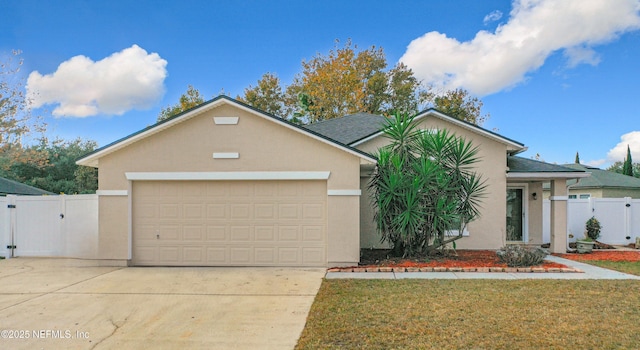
[240,211]
[289,233]
[193,233]
[169,232]
[288,255]
[169,211]
[240,234]
[193,211]
[240,255]
[313,256]
[216,233]
[216,211]
[288,211]
[169,254]
[265,255]
[264,233]
[216,256]
[234,223]
[192,255]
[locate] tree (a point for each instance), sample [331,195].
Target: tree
[627,167]
[188,100]
[58,173]
[17,121]
[338,84]
[424,187]
[617,168]
[459,104]
[267,95]
[577,161]
[405,93]
[347,81]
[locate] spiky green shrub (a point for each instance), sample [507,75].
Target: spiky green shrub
[520,256]
[425,187]
[593,228]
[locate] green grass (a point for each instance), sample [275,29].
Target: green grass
[632,267]
[474,314]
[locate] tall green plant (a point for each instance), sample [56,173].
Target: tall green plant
[425,187]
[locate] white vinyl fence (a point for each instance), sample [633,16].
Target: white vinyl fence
[54,226]
[619,217]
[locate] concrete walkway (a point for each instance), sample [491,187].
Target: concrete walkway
[590,272]
[74,304]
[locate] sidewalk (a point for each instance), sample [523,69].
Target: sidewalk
[590,272]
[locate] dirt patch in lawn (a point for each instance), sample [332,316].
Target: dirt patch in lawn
[614,255]
[462,259]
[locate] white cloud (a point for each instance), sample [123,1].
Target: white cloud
[491,62]
[80,87]
[492,17]
[619,152]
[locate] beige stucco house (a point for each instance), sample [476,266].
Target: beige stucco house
[225,184]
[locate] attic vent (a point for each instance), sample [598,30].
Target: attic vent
[226,120]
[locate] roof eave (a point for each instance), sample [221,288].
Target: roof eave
[546,175]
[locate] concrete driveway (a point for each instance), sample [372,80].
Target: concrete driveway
[74,304]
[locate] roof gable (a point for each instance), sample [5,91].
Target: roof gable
[357,128]
[92,158]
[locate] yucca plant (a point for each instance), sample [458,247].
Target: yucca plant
[425,187]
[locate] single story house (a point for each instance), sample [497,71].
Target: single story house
[225,184]
[8,187]
[601,184]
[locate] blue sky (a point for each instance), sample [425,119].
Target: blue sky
[558,76]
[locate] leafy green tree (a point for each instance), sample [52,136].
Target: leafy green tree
[188,100]
[577,161]
[424,187]
[58,173]
[627,167]
[459,104]
[617,168]
[267,95]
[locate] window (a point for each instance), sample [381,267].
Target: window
[581,196]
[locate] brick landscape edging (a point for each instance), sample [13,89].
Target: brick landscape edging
[456,269]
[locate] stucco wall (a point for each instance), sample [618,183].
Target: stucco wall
[488,232]
[262,146]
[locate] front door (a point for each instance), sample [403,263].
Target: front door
[515,214]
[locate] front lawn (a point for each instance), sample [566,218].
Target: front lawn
[474,314]
[623,261]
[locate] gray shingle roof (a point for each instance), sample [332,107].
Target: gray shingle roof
[13,187]
[524,165]
[603,178]
[350,128]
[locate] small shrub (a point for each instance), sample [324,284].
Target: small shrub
[593,228]
[519,256]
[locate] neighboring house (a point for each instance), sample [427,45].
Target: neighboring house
[13,187]
[601,184]
[225,184]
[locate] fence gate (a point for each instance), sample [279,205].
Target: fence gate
[57,226]
[619,217]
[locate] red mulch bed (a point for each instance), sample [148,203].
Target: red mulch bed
[615,255]
[463,259]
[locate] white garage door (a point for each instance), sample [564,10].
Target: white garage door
[229,223]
